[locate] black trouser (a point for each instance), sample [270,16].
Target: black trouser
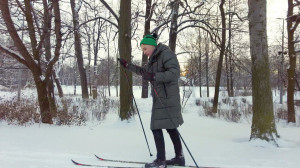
[160,142]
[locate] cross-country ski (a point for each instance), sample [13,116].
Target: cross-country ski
[126,161]
[137,164]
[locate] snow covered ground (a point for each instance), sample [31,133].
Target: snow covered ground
[213,142]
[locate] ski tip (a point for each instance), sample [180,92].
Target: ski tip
[98,157]
[79,164]
[74,162]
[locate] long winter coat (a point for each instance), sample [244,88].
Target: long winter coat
[166,110]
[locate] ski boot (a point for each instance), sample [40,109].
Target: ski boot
[157,163]
[176,161]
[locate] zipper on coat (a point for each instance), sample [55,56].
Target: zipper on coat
[165,90]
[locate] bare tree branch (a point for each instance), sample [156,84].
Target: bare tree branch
[31,29]
[13,54]
[297,3]
[110,9]
[58,39]
[191,11]
[20,6]
[237,15]
[13,33]
[161,25]
[96,18]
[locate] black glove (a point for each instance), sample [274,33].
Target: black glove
[149,76]
[123,62]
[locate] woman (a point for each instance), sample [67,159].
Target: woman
[163,71]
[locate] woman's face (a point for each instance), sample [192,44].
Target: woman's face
[147,49]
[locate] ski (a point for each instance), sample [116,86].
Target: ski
[94,165]
[124,161]
[120,161]
[137,162]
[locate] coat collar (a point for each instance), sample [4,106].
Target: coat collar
[158,49]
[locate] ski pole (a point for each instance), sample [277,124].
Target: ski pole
[174,125]
[138,113]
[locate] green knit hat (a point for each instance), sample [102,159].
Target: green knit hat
[149,40]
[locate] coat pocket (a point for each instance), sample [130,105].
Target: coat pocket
[160,91]
[171,89]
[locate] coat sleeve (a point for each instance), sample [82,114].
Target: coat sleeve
[172,67]
[136,69]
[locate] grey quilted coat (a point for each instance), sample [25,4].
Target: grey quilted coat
[166,110]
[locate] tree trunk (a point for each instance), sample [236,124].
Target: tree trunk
[206,64]
[222,51]
[108,68]
[51,97]
[231,73]
[19,83]
[48,54]
[75,76]
[227,74]
[125,53]
[148,16]
[78,51]
[292,64]
[96,50]
[43,100]
[174,26]
[89,62]
[263,123]
[58,44]
[58,85]
[230,68]
[200,63]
